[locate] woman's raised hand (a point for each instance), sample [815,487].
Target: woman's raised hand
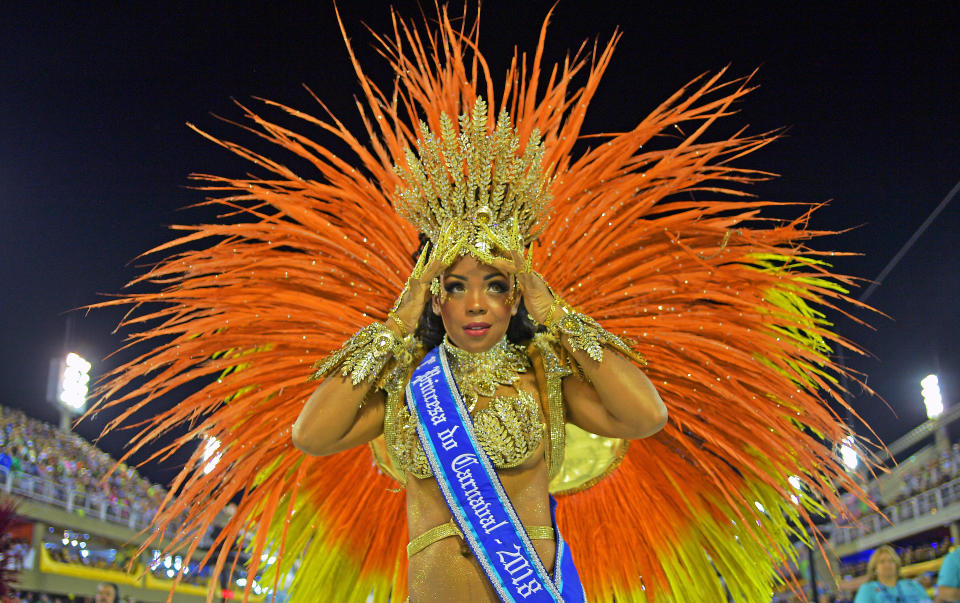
[537,296]
[430,265]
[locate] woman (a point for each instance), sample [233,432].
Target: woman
[884,584]
[477,306]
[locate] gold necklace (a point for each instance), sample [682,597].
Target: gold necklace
[480,373]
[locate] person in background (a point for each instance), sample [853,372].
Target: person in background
[107,593]
[948,581]
[884,583]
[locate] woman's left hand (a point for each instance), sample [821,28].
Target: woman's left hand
[537,296]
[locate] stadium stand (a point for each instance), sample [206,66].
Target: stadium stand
[78,527]
[918,499]
[60,468]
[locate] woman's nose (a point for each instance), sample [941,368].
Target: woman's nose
[475,305]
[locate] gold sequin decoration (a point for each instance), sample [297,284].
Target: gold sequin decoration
[364,355]
[403,447]
[509,430]
[406,445]
[473,176]
[584,333]
[479,374]
[554,372]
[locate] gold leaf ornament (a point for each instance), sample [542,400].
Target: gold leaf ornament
[472,185]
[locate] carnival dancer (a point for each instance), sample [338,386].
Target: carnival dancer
[496,359]
[480,431]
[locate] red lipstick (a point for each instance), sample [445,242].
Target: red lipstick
[477,329]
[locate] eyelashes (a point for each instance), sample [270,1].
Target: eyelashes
[499,287]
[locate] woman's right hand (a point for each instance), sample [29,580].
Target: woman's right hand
[416,293]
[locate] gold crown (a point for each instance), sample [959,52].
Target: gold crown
[474,184]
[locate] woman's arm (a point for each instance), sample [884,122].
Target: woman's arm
[339,415]
[616,401]
[347,410]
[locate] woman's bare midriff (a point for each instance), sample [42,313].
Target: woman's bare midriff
[441,572]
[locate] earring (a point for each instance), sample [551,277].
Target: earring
[514,289]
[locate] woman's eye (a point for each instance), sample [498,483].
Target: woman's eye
[499,287]
[453,287]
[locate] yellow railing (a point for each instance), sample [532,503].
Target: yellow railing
[48,565]
[137,578]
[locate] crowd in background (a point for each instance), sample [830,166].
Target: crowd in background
[29,447]
[944,468]
[119,562]
[932,474]
[38,449]
[908,555]
[936,472]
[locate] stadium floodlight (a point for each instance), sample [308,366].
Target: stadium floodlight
[848,453]
[931,396]
[73,382]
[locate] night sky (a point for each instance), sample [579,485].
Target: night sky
[95,153]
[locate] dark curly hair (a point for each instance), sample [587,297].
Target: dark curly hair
[430,329]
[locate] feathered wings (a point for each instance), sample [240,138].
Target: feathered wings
[657,242]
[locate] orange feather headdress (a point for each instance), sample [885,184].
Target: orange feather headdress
[657,242]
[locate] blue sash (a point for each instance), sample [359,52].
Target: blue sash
[475,496]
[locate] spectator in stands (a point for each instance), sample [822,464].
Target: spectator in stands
[948,582]
[884,583]
[107,593]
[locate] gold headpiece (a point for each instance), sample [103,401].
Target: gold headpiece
[473,185]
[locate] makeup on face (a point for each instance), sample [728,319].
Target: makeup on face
[476,305]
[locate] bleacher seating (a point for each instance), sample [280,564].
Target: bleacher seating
[47,467]
[41,462]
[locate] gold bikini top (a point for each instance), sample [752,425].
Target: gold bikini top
[509,428]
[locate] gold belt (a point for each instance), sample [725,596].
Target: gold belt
[445,530]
